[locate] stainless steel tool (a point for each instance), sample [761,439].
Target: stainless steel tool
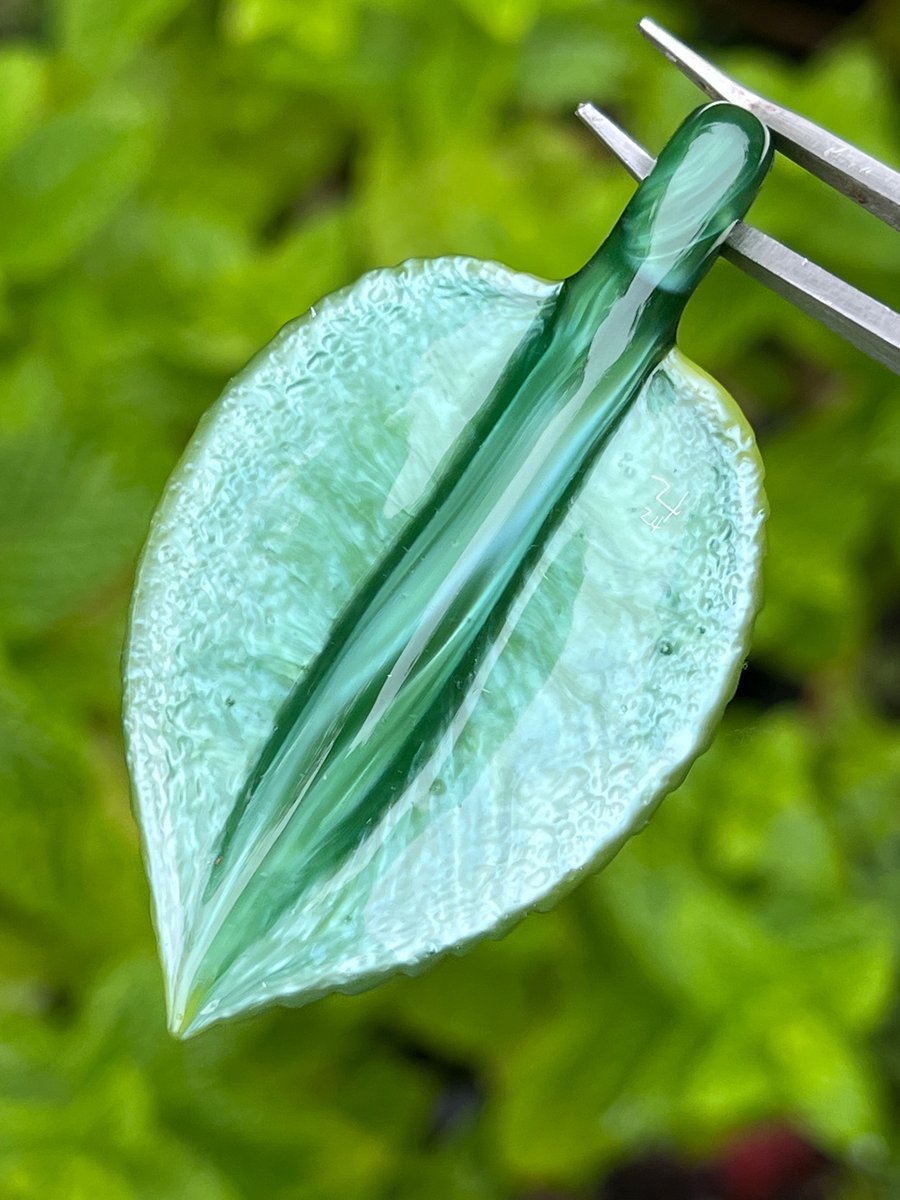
[856,316]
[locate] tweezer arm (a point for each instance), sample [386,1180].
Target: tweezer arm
[867,180]
[855,316]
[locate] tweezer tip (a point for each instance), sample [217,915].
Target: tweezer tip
[649,27]
[656,34]
[707,76]
[635,159]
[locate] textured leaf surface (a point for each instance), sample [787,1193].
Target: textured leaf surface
[602,685]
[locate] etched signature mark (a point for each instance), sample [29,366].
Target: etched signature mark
[656,519]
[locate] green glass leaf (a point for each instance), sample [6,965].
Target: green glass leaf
[449,589]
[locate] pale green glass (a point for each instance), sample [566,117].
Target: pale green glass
[450,587]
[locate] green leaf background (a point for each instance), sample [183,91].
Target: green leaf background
[177,179]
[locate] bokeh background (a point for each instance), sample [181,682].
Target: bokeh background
[715,1016]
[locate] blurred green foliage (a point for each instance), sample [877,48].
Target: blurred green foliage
[177,180]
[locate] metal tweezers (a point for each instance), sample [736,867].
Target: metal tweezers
[862,320]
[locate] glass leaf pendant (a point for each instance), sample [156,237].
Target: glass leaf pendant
[450,587]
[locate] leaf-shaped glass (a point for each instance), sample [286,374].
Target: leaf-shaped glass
[450,587]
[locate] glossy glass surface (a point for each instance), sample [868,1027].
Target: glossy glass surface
[450,587]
